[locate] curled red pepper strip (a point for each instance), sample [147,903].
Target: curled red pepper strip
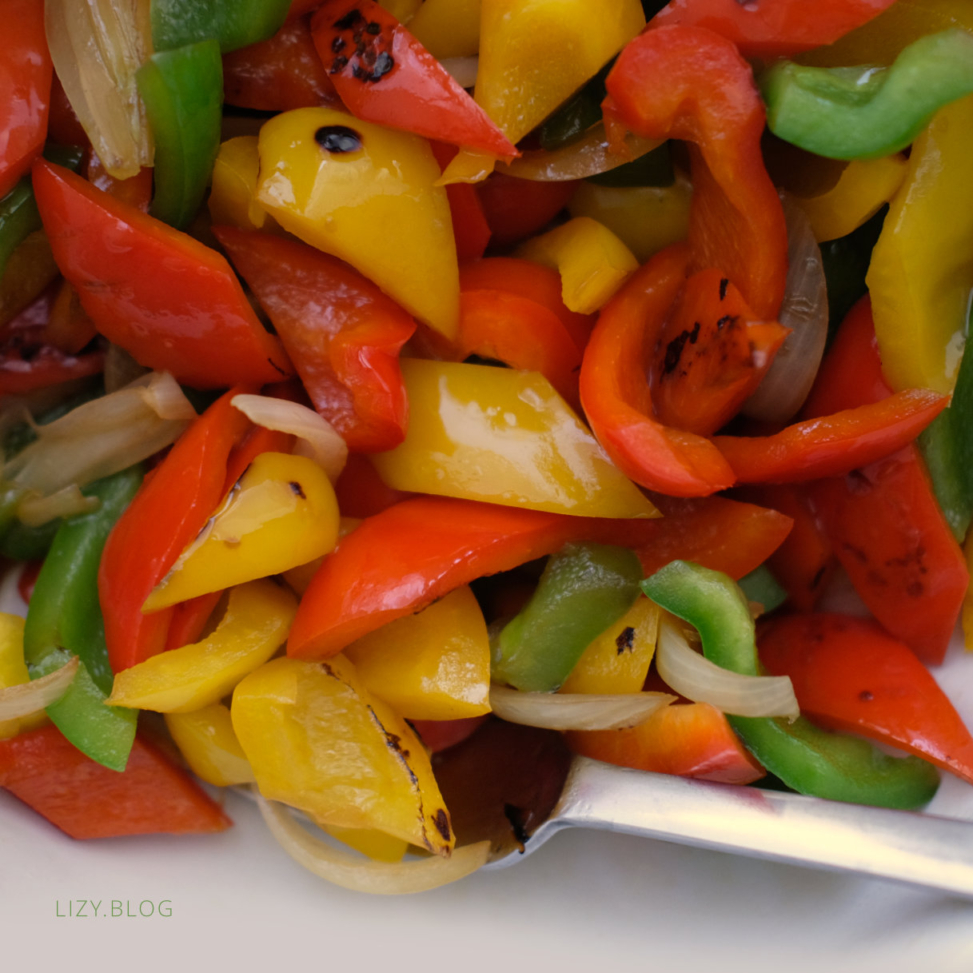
[689,83]
[712,355]
[772,28]
[616,395]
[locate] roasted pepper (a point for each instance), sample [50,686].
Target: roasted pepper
[206,739]
[868,112]
[63,619]
[584,589]
[232,199]
[805,758]
[179,22]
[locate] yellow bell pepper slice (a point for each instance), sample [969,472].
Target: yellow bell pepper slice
[232,199]
[618,660]
[402,10]
[592,261]
[282,513]
[534,54]
[448,28]
[503,436]
[366,194]
[257,620]
[434,665]
[206,739]
[319,741]
[13,672]
[646,219]
[862,189]
[921,271]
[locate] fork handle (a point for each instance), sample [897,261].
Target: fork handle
[917,849]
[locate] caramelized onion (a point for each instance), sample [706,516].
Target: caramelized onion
[576,711]
[28,698]
[378,878]
[695,677]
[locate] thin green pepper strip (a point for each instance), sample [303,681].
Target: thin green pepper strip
[64,619]
[233,23]
[584,589]
[762,588]
[807,759]
[867,112]
[183,94]
[947,447]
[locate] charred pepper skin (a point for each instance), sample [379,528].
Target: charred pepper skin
[806,758]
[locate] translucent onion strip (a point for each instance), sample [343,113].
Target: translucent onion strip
[805,311]
[102,436]
[29,698]
[378,878]
[695,677]
[34,511]
[319,439]
[97,46]
[586,157]
[576,711]
[462,69]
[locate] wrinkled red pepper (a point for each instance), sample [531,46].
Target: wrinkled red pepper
[689,83]
[384,75]
[86,800]
[882,519]
[616,396]
[341,331]
[170,301]
[849,674]
[772,28]
[170,509]
[25,80]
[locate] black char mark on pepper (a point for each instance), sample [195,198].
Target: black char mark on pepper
[372,58]
[724,283]
[338,139]
[675,348]
[625,640]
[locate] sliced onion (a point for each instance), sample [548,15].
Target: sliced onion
[586,157]
[805,311]
[462,69]
[29,698]
[319,440]
[576,711]
[102,436]
[34,511]
[97,46]
[695,677]
[379,878]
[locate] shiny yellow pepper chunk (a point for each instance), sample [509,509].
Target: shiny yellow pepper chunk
[921,271]
[503,436]
[13,672]
[319,741]
[434,665]
[592,261]
[618,660]
[206,739]
[232,199]
[366,194]
[282,513]
[257,620]
[448,28]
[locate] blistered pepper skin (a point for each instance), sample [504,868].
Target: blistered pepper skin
[366,194]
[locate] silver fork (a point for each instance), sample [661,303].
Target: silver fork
[903,846]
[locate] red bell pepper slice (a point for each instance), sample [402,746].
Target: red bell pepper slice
[170,301]
[170,509]
[384,75]
[712,355]
[616,395]
[438,735]
[518,208]
[341,331]
[25,80]
[470,228]
[772,28]
[689,83]
[86,800]
[28,362]
[849,674]
[361,492]
[882,519]
[280,73]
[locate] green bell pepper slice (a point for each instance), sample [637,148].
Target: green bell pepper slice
[183,94]
[584,589]
[867,112]
[232,23]
[807,759]
[64,619]
[762,588]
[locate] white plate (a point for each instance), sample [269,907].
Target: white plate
[584,901]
